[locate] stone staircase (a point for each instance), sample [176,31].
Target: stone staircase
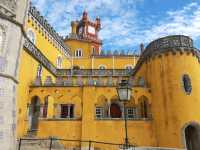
[30,142]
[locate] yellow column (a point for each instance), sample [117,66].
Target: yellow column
[50,107]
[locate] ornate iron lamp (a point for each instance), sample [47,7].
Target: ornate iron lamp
[124,91]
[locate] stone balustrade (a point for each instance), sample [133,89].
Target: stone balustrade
[94,72]
[86,81]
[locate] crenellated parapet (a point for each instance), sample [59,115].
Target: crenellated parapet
[44,25]
[8,7]
[173,44]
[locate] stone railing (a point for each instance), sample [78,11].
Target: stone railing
[94,72]
[77,37]
[8,7]
[87,81]
[36,53]
[174,43]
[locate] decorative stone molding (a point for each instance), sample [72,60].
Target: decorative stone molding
[36,14]
[174,43]
[8,7]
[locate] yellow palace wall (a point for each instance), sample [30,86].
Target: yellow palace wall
[110,62]
[172,108]
[85,126]
[28,72]
[88,62]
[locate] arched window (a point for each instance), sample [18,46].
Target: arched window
[2,38]
[45,108]
[115,111]
[79,53]
[192,137]
[93,50]
[102,67]
[31,36]
[39,70]
[144,107]
[187,84]
[59,62]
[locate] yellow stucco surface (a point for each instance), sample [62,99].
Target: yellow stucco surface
[162,107]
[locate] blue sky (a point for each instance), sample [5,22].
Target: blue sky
[127,23]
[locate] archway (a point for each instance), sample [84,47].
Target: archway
[34,113]
[192,137]
[115,111]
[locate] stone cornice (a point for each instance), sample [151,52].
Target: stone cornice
[8,7]
[174,43]
[36,14]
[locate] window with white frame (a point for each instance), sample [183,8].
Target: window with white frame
[31,36]
[59,62]
[78,53]
[67,111]
[99,112]
[131,112]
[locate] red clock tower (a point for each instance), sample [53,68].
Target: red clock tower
[87,30]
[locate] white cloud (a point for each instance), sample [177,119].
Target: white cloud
[121,24]
[185,21]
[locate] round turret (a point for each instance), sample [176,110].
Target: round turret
[170,65]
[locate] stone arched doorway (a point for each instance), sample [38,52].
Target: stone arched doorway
[192,137]
[115,111]
[34,113]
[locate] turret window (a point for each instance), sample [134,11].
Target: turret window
[79,53]
[93,50]
[187,84]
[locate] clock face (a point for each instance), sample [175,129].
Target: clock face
[91,29]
